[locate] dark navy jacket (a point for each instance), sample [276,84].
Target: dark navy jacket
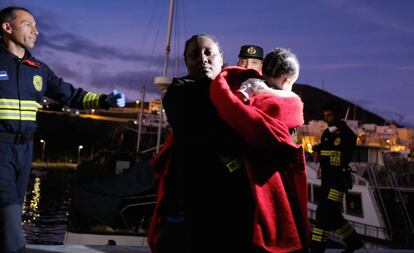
[24,82]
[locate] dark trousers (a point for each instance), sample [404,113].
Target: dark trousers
[15,166]
[329,218]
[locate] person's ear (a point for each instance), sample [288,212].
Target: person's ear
[286,81]
[6,27]
[242,62]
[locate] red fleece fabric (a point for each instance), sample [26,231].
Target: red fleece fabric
[264,123]
[160,164]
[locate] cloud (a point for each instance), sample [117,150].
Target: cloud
[372,14]
[73,43]
[332,66]
[129,79]
[52,38]
[404,67]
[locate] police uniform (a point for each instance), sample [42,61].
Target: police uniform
[335,153]
[251,51]
[23,83]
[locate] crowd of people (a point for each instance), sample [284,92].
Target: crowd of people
[230,178]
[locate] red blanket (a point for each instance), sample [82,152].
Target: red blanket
[279,187]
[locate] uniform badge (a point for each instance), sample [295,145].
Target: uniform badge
[251,50]
[37,82]
[337,141]
[4,75]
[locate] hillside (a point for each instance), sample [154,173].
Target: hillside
[314,98]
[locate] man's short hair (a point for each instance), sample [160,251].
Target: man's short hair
[332,106]
[8,14]
[251,51]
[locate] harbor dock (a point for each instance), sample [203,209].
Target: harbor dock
[145,249]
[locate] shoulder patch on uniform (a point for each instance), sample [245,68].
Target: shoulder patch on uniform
[4,75]
[337,141]
[37,82]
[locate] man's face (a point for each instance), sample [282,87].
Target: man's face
[251,63]
[329,117]
[203,59]
[22,30]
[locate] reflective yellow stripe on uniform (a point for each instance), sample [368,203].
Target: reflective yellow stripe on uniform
[319,235]
[335,195]
[29,105]
[344,231]
[9,103]
[14,109]
[28,115]
[91,100]
[334,156]
[10,114]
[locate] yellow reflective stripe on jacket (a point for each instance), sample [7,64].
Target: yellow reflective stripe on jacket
[335,195]
[14,109]
[330,153]
[319,235]
[345,231]
[29,105]
[9,103]
[334,156]
[10,114]
[91,100]
[17,115]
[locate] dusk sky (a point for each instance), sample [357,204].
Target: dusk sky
[360,50]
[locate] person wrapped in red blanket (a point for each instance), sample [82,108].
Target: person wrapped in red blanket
[265,117]
[215,205]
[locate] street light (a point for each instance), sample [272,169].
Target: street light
[79,150]
[43,142]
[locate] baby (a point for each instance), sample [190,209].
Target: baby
[280,71]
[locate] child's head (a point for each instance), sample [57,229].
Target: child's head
[281,68]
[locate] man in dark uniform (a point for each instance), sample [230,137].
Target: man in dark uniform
[334,153]
[251,57]
[23,82]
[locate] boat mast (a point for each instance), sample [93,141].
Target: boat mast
[163,82]
[168,44]
[140,113]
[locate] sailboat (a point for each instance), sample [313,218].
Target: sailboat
[121,218]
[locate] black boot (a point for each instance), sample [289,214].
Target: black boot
[353,242]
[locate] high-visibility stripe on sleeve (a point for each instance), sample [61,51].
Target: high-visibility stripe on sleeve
[91,100]
[335,195]
[319,235]
[345,230]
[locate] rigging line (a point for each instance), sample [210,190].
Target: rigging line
[176,37]
[152,57]
[151,24]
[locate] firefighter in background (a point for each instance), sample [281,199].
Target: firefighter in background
[334,154]
[23,82]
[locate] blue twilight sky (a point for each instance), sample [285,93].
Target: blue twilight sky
[360,50]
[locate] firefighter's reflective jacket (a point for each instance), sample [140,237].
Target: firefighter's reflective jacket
[24,82]
[335,153]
